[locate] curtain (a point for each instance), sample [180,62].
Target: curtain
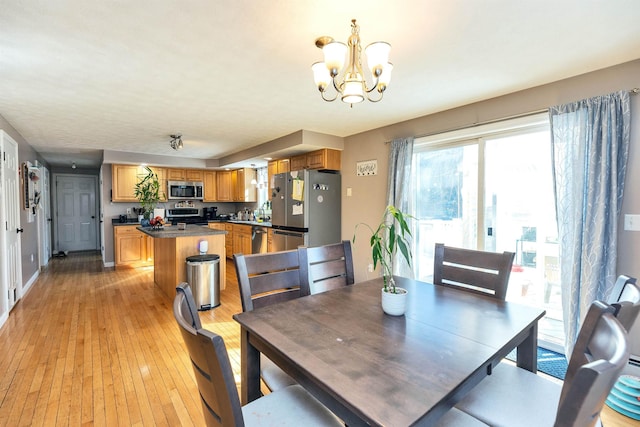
[398,184]
[590,143]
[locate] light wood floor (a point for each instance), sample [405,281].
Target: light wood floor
[94,346]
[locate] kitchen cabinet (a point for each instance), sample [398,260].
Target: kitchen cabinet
[228,242]
[223,186]
[195,175]
[132,247]
[241,239]
[176,174]
[324,159]
[210,186]
[270,240]
[275,167]
[125,177]
[245,191]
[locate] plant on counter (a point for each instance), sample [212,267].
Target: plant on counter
[391,235]
[147,191]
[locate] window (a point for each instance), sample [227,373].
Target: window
[490,188]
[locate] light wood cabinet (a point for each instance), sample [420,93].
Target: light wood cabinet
[210,186]
[223,186]
[125,177]
[176,174]
[241,239]
[269,240]
[324,159]
[195,175]
[228,242]
[132,247]
[245,191]
[275,167]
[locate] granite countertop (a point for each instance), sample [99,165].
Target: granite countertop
[171,232]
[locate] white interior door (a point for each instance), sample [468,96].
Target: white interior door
[44,218]
[11,267]
[76,212]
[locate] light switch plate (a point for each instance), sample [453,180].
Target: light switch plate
[632,222]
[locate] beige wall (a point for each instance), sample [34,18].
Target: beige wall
[369,193]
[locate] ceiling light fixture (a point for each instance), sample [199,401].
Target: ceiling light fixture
[73,165]
[176,141]
[351,85]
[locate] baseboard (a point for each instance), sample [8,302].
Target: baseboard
[3,319]
[108,264]
[27,286]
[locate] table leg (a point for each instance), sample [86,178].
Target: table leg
[528,350]
[250,369]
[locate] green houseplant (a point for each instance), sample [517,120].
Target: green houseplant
[391,235]
[147,191]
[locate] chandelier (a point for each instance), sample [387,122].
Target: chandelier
[176,141]
[351,85]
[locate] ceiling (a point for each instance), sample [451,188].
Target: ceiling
[78,77]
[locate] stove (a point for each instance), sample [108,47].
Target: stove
[186,215]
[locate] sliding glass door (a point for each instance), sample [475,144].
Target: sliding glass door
[493,192]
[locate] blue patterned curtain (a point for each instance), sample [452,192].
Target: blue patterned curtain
[590,143]
[398,184]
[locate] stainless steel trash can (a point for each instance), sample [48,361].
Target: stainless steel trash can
[203,275]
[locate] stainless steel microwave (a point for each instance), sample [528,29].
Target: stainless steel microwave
[185,190]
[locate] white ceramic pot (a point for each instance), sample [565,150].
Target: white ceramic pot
[394,304]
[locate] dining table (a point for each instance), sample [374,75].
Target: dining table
[371,368]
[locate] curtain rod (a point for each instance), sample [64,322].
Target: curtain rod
[633,91]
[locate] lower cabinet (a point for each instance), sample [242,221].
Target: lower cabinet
[242,239]
[228,241]
[132,247]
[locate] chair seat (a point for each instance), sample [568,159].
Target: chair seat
[518,393]
[274,377]
[290,406]
[456,418]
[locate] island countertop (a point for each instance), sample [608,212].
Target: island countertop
[171,248]
[171,232]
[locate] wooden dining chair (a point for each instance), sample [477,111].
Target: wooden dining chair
[512,396]
[266,279]
[485,273]
[217,388]
[625,296]
[326,267]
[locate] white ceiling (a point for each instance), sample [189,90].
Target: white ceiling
[78,76]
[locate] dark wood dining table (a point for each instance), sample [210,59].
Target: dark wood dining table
[370,368]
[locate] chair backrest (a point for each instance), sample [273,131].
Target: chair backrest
[268,278]
[326,267]
[189,309]
[485,273]
[625,296]
[598,357]
[211,366]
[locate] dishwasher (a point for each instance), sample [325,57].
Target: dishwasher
[258,239]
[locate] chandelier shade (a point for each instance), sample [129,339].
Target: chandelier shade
[348,81]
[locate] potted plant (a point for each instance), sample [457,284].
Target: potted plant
[391,235]
[147,191]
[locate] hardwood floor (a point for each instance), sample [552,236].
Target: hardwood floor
[95,346]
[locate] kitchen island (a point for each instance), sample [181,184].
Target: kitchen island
[172,246]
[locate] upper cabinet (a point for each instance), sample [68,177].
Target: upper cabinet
[210,186]
[245,191]
[196,175]
[125,177]
[275,167]
[224,189]
[326,159]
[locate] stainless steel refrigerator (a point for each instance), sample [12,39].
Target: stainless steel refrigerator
[306,209]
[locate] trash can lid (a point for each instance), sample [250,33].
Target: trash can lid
[203,258]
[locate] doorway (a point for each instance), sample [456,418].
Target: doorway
[76,224]
[10,243]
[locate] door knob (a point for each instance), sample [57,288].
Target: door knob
[19,230]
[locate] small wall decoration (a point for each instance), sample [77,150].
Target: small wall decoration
[367,168]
